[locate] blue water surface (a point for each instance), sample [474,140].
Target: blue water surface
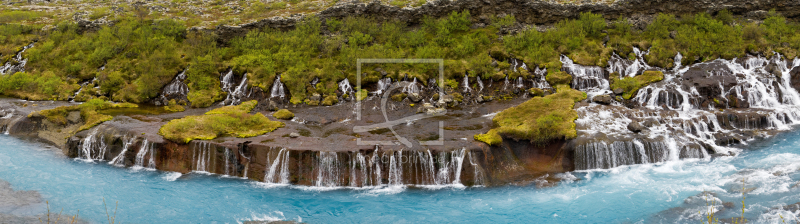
[652,193]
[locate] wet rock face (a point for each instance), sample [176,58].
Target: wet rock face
[711,80]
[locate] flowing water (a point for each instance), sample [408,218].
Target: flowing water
[661,193]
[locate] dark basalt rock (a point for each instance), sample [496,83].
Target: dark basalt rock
[602,99]
[636,127]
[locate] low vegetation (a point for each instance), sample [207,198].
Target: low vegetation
[233,121]
[283,114]
[630,85]
[88,111]
[538,120]
[141,53]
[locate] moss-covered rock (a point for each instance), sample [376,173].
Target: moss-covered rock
[630,85]
[539,120]
[491,138]
[558,78]
[88,110]
[330,100]
[283,114]
[536,92]
[225,121]
[399,97]
[172,106]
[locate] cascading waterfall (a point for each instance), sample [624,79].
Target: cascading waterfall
[465,84]
[280,167]
[143,151]
[628,68]
[366,169]
[120,159]
[540,81]
[590,79]
[17,63]
[682,117]
[383,85]
[278,89]
[84,84]
[346,88]
[328,166]
[202,157]
[230,162]
[93,147]
[236,92]
[176,89]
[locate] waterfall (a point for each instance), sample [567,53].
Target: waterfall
[93,147]
[328,166]
[628,68]
[235,93]
[231,160]
[682,115]
[277,90]
[539,80]
[479,180]
[143,151]
[590,79]
[383,85]
[202,157]
[479,82]
[396,169]
[346,88]
[176,89]
[281,161]
[120,159]
[17,63]
[84,84]
[412,87]
[465,84]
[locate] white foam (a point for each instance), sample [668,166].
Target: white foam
[171,176]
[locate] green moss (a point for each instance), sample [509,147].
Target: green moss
[361,94]
[283,114]
[458,97]
[536,92]
[88,111]
[226,121]
[539,120]
[242,108]
[399,97]
[174,107]
[330,100]
[558,78]
[630,85]
[491,138]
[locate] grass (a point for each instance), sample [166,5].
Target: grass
[225,121]
[539,120]
[283,114]
[630,85]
